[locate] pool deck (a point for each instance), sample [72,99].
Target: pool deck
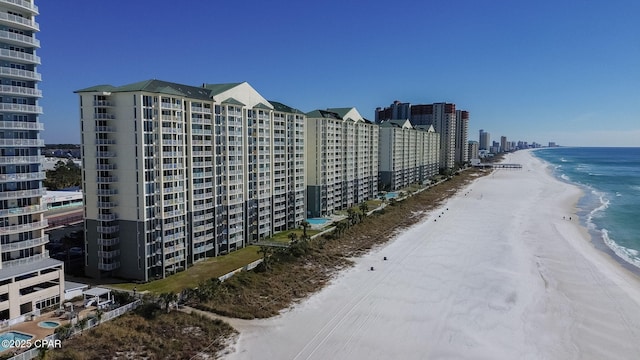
[32,327]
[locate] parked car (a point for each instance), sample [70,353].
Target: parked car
[76,251]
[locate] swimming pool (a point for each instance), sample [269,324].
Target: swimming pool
[391,195]
[49,324]
[318,221]
[12,335]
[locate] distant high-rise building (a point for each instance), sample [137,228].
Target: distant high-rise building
[473,149]
[504,144]
[396,111]
[462,137]
[174,174]
[29,279]
[485,140]
[443,118]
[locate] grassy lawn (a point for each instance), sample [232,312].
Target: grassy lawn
[283,236]
[190,278]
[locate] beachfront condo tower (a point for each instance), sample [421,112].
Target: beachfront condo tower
[342,160]
[407,154]
[29,279]
[485,140]
[442,116]
[174,174]
[462,137]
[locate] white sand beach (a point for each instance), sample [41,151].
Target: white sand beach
[499,275]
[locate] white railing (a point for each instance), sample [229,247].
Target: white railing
[25,244]
[22,125]
[26,74]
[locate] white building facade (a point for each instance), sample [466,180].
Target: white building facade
[407,154]
[174,174]
[29,279]
[342,160]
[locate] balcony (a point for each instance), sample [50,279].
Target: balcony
[15,229]
[109,129]
[108,266]
[105,154]
[19,22]
[107,217]
[106,204]
[108,242]
[20,245]
[103,116]
[106,167]
[103,103]
[19,39]
[20,194]
[33,209]
[109,254]
[108,229]
[20,90]
[19,56]
[26,260]
[21,142]
[21,125]
[22,177]
[105,142]
[106,192]
[20,74]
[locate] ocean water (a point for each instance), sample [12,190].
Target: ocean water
[610,178]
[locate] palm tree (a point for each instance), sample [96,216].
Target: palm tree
[167,298]
[304,224]
[364,207]
[351,214]
[293,237]
[266,252]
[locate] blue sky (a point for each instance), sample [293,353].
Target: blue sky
[565,71]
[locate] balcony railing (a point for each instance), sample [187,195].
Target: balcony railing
[108,266]
[103,103]
[33,209]
[103,116]
[32,109]
[20,90]
[20,39]
[14,229]
[108,229]
[21,74]
[21,194]
[108,242]
[21,125]
[17,55]
[23,176]
[21,142]
[109,254]
[26,260]
[19,245]
[19,20]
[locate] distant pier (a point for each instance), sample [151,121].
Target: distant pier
[499,166]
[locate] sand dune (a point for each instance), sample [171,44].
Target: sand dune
[499,275]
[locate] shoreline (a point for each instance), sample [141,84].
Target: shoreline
[499,275]
[593,234]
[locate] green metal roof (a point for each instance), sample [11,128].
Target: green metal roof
[261,106]
[232,101]
[340,111]
[323,114]
[156,86]
[219,88]
[278,106]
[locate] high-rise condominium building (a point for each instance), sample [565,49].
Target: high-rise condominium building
[443,118]
[342,160]
[485,140]
[407,154]
[29,279]
[462,137]
[174,174]
[473,149]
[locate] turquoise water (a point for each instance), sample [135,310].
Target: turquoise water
[49,324]
[390,195]
[318,221]
[611,206]
[12,335]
